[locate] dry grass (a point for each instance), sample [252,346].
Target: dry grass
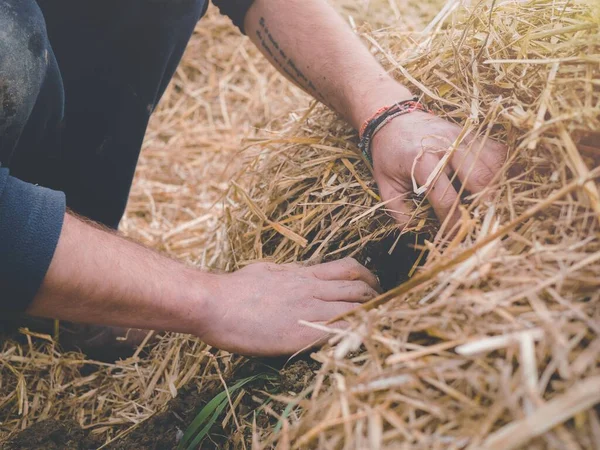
[495,341]
[216,99]
[224,92]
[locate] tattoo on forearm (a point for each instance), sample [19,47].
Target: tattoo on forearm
[287,65]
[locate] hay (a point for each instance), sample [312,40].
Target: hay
[528,298]
[306,193]
[224,91]
[495,341]
[217,97]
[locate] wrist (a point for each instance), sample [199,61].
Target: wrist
[383,92]
[196,302]
[213,315]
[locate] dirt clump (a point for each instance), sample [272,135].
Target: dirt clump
[54,434]
[297,376]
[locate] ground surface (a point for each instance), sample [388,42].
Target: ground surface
[223,95]
[412,376]
[163,430]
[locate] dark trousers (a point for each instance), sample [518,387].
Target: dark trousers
[79,80]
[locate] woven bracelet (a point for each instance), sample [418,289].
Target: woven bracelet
[381,118]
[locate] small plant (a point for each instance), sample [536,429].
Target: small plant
[206,418]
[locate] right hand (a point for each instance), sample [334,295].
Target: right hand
[256,310]
[400,144]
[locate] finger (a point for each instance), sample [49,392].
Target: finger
[396,206]
[344,269]
[345,291]
[494,154]
[440,194]
[323,311]
[321,332]
[473,173]
[310,337]
[476,164]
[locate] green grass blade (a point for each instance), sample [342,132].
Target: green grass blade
[290,406]
[199,420]
[199,427]
[204,432]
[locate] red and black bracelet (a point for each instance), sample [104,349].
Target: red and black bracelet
[381,118]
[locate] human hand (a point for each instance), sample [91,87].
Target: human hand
[256,310]
[421,139]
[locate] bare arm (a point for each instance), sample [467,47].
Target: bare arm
[309,42]
[99,277]
[312,46]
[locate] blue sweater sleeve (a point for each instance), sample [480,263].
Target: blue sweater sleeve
[235,9]
[31,219]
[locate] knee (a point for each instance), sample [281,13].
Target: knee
[24,55]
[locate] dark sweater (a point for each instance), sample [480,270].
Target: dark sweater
[31,216]
[235,9]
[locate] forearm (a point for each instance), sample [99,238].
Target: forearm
[98,277]
[312,46]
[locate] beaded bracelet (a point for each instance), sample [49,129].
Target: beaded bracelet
[381,118]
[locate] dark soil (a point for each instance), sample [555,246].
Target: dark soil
[163,430]
[53,435]
[391,268]
[297,376]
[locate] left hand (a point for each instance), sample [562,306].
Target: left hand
[256,310]
[396,147]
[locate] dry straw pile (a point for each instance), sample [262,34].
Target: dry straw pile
[214,101]
[224,91]
[495,342]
